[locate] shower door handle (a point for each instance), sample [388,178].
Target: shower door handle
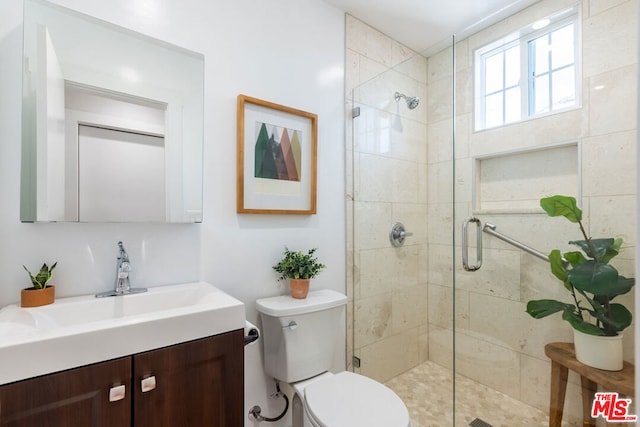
[465,244]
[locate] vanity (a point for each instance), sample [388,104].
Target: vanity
[169,357]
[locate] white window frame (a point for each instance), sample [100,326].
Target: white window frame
[523,37]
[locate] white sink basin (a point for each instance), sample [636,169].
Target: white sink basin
[81,330]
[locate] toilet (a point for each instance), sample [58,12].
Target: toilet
[299,337]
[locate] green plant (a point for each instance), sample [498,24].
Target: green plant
[590,280]
[43,276]
[297,265]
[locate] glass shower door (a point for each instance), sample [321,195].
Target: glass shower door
[503,166]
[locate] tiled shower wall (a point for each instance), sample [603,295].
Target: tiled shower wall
[386,172]
[497,343]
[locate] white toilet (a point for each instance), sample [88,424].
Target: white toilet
[299,337]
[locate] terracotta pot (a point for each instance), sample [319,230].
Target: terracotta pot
[299,288]
[599,351]
[32,297]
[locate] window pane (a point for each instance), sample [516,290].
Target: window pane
[541,95]
[493,110]
[562,51]
[493,72]
[532,74]
[512,66]
[512,107]
[540,54]
[564,93]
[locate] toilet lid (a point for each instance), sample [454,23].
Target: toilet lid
[347,399]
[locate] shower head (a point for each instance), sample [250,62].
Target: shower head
[412,101]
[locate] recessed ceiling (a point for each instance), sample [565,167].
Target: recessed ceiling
[424,24]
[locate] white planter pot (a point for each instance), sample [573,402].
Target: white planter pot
[599,351]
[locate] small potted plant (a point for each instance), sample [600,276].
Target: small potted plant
[299,268]
[592,284]
[41,293]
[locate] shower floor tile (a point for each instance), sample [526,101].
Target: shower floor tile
[427,392]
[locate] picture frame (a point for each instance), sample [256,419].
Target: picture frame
[276,158]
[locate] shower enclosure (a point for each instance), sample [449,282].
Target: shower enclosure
[457,345]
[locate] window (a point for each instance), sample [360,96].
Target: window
[529,73]
[552,75]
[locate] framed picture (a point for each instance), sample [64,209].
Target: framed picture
[277,156]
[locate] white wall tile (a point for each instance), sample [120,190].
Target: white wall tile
[440,102]
[535,389]
[612,101]
[499,275]
[368,41]
[371,222]
[599,6]
[409,308]
[487,362]
[440,265]
[439,186]
[607,43]
[441,346]
[439,141]
[388,358]
[373,317]
[352,71]
[611,163]
[613,216]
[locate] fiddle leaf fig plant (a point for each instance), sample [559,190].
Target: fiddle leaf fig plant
[298,265]
[42,277]
[587,276]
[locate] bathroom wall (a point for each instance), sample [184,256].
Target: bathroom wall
[284,51]
[387,170]
[497,343]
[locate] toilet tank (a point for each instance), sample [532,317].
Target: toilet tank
[300,335]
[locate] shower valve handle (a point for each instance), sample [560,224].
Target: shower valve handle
[398,234]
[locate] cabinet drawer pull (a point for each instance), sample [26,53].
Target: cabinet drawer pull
[116,393]
[148,384]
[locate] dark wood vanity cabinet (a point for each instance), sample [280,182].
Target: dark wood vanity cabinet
[193,384]
[77,397]
[198,383]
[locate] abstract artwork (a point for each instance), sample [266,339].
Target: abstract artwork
[278,152]
[277,158]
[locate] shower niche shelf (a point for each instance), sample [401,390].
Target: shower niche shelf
[514,181]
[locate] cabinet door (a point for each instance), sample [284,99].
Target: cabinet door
[198,383]
[77,397]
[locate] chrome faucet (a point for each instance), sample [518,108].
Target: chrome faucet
[123,268]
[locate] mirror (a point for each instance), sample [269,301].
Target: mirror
[112,122]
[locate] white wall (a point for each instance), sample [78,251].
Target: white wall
[284,51]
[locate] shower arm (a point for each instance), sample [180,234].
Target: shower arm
[491,229]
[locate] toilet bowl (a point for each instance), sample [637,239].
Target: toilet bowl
[299,338]
[349,400]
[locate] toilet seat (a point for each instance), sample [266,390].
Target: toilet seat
[348,399]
